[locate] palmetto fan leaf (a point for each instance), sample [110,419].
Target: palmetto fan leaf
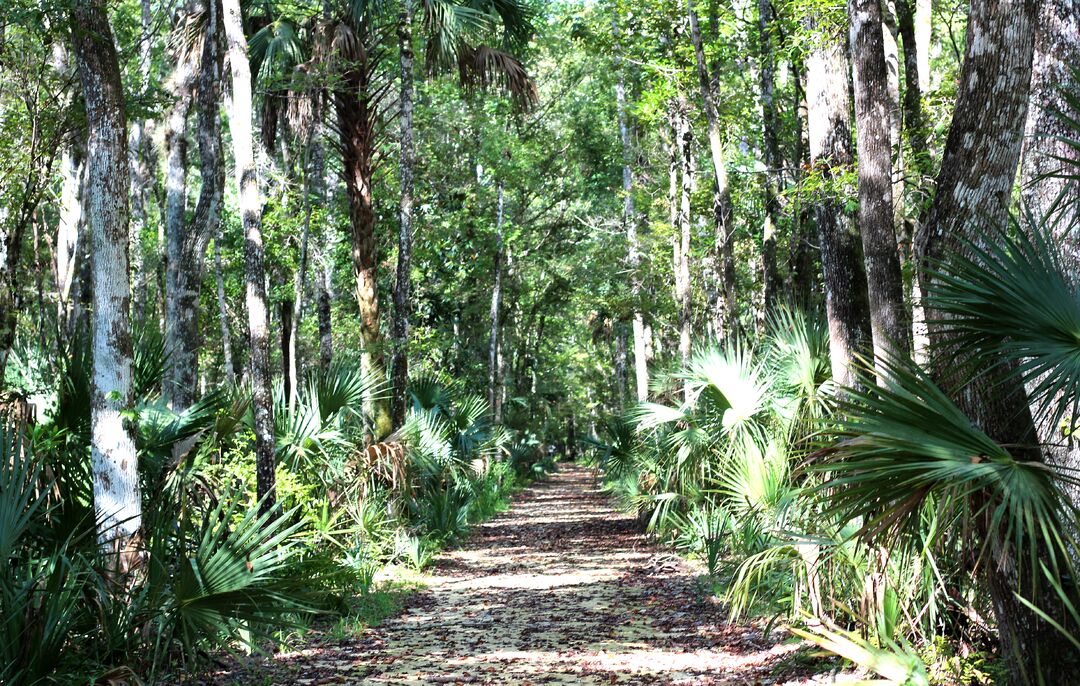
[235,577]
[904,441]
[1011,300]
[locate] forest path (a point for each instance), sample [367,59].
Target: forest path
[560,589]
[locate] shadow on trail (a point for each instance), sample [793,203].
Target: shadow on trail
[561,588]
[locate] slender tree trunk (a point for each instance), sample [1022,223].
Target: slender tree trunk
[770,138]
[924,27]
[324,283]
[314,168]
[829,127]
[285,312]
[494,397]
[115,463]
[182,87]
[978,169]
[324,298]
[223,311]
[630,220]
[186,243]
[67,230]
[722,206]
[356,130]
[141,153]
[684,140]
[402,285]
[801,259]
[889,324]
[890,34]
[914,124]
[247,181]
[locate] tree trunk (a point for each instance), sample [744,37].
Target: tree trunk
[924,28]
[187,243]
[494,397]
[1057,52]
[770,129]
[356,120]
[117,500]
[684,141]
[914,124]
[889,324]
[801,259]
[890,34]
[722,208]
[829,127]
[1054,201]
[247,181]
[141,151]
[285,313]
[182,87]
[630,219]
[402,284]
[978,169]
[223,311]
[67,231]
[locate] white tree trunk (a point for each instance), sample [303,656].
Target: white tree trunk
[116,484]
[630,219]
[240,117]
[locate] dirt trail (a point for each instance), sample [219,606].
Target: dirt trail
[561,589]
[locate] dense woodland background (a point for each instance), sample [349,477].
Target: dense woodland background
[799,275]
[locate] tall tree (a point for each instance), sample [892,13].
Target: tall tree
[889,324]
[974,193]
[723,214]
[115,462]
[770,137]
[494,351]
[630,223]
[247,182]
[187,241]
[829,127]
[406,165]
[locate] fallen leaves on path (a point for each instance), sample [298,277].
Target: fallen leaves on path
[561,589]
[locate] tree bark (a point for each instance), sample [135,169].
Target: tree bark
[723,213]
[187,242]
[223,311]
[356,122]
[141,151]
[1057,53]
[494,396]
[403,283]
[801,257]
[247,181]
[978,169]
[182,88]
[889,324]
[684,140]
[1054,201]
[829,127]
[924,29]
[914,123]
[770,128]
[117,500]
[630,219]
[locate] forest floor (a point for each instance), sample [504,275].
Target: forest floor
[560,589]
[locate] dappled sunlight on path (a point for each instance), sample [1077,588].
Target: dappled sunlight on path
[561,589]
